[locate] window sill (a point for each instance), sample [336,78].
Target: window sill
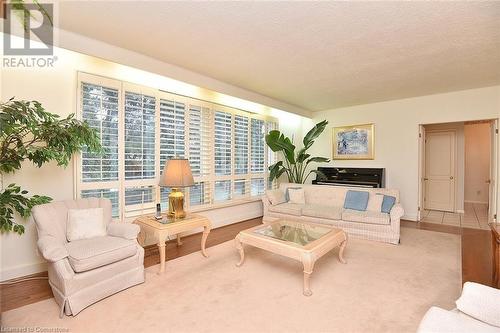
[235,202]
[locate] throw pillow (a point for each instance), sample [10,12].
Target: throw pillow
[287,196]
[85,223]
[387,203]
[276,197]
[375,202]
[357,200]
[480,302]
[296,196]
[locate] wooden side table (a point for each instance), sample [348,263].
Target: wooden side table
[161,229]
[495,238]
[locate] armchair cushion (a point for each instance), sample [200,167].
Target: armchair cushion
[123,230]
[481,302]
[87,254]
[52,249]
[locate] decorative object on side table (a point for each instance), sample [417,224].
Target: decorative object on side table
[354,142]
[176,174]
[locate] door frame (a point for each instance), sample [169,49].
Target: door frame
[495,143]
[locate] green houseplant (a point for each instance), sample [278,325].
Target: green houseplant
[29,132]
[294,164]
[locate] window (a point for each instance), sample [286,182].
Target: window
[139,136]
[100,110]
[172,130]
[223,143]
[141,128]
[258,186]
[257,161]
[240,145]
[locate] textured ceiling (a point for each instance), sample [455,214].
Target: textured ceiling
[315,55]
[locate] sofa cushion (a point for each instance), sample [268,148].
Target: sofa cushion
[276,197]
[296,196]
[323,211]
[87,254]
[375,202]
[287,208]
[356,200]
[366,217]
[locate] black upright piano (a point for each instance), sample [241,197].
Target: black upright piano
[354,177]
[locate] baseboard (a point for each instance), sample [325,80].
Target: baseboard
[410,217]
[22,271]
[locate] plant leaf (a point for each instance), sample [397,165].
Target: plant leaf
[314,133]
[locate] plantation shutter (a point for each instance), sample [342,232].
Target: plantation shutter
[100,111]
[240,145]
[99,177]
[139,136]
[272,157]
[200,131]
[172,130]
[257,155]
[223,143]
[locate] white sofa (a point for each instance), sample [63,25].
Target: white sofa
[324,204]
[478,310]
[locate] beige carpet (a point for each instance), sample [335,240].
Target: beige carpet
[382,288]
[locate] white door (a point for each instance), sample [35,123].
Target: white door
[492,206]
[440,170]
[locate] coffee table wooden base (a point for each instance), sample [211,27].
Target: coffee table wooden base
[307,256]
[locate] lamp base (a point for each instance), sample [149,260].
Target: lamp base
[176,204]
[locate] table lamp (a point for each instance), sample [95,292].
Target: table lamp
[176,174]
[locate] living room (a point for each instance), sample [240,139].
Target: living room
[217,123]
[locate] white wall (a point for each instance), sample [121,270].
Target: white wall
[56,89]
[477,162]
[396,132]
[459,159]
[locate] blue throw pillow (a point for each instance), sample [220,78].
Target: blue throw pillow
[287,196]
[357,200]
[387,203]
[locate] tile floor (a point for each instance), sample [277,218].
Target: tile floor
[475,216]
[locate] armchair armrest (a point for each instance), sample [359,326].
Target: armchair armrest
[52,249]
[396,212]
[480,302]
[123,230]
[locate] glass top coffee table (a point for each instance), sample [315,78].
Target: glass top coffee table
[305,242]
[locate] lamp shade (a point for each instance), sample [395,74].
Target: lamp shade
[177,173]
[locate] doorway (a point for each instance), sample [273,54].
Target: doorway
[458,173]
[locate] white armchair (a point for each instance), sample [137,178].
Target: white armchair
[85,271]
[478,310]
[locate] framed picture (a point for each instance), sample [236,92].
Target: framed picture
[354,142]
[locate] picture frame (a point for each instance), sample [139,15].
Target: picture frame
[356,142]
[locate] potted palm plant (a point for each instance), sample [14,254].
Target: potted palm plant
[294,164]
